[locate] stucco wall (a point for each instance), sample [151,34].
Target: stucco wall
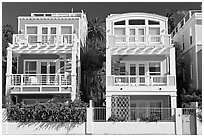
[153,128]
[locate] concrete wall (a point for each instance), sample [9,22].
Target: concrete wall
[45,128]
[153,128]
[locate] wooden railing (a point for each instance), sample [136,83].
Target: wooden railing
[43,39]
[40,79]
[130,80]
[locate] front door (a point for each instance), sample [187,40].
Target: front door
[48,69]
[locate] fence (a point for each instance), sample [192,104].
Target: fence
[134,114]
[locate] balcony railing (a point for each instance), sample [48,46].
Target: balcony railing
[40,79]
[130,80]
[43,39]
[125,40]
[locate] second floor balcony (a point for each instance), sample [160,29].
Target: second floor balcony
[143,40]
[43,39]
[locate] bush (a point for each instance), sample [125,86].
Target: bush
[114,118]
[48,112]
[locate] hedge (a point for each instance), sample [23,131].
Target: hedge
[48,112]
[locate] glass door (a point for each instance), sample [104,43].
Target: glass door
[48,68]
[137,73]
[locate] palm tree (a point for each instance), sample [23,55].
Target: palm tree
[93,56]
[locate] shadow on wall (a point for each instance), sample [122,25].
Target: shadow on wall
[50,125]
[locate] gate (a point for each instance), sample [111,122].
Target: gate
[189,121]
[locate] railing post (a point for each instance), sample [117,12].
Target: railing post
[89,122]
[178,122]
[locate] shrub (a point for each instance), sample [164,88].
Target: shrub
[114,118]
[48,112]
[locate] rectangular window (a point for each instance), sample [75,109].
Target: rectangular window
[137,22]
[154,31]
[191,68]
[66,30]
[191,37]
[61,67]
[32,30]
[119,31]
[122,68]
[183,42]
[30,67]
[152,22]
[132,69]
[154,69]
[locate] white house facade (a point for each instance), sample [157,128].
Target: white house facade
[47,49]
[188,34]
[140,65]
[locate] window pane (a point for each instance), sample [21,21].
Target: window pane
[32,65]
[154,31]
[120,23]
[44,30]
[119,31]
[132,31]
[136,22]
[132,69]
[66,30]
[61,67]
[53,30]
[141,31]
[32,30]
[141,69]
[151,22]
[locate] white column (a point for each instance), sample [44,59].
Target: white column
[178,127]
[173,102]
[108,106]
[73,73]
[89,123]
[108,64]
[172,62]
[9,69]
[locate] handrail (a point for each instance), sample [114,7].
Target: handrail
[44,38]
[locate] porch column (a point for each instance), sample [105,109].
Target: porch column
[73,74]
[108,106]
[9,69]
[172,62]
[173,102]
[108,64]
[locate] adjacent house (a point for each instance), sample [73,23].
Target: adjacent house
[188,34]
[140,65]
[47,50]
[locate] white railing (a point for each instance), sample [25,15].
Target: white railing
[121,40]
[40,79]
[134,114]
[43,39]
[130,80]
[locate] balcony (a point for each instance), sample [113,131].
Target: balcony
[43,39]
[130,80]
[132,40]
[40,82]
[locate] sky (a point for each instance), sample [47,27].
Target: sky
[11,10]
